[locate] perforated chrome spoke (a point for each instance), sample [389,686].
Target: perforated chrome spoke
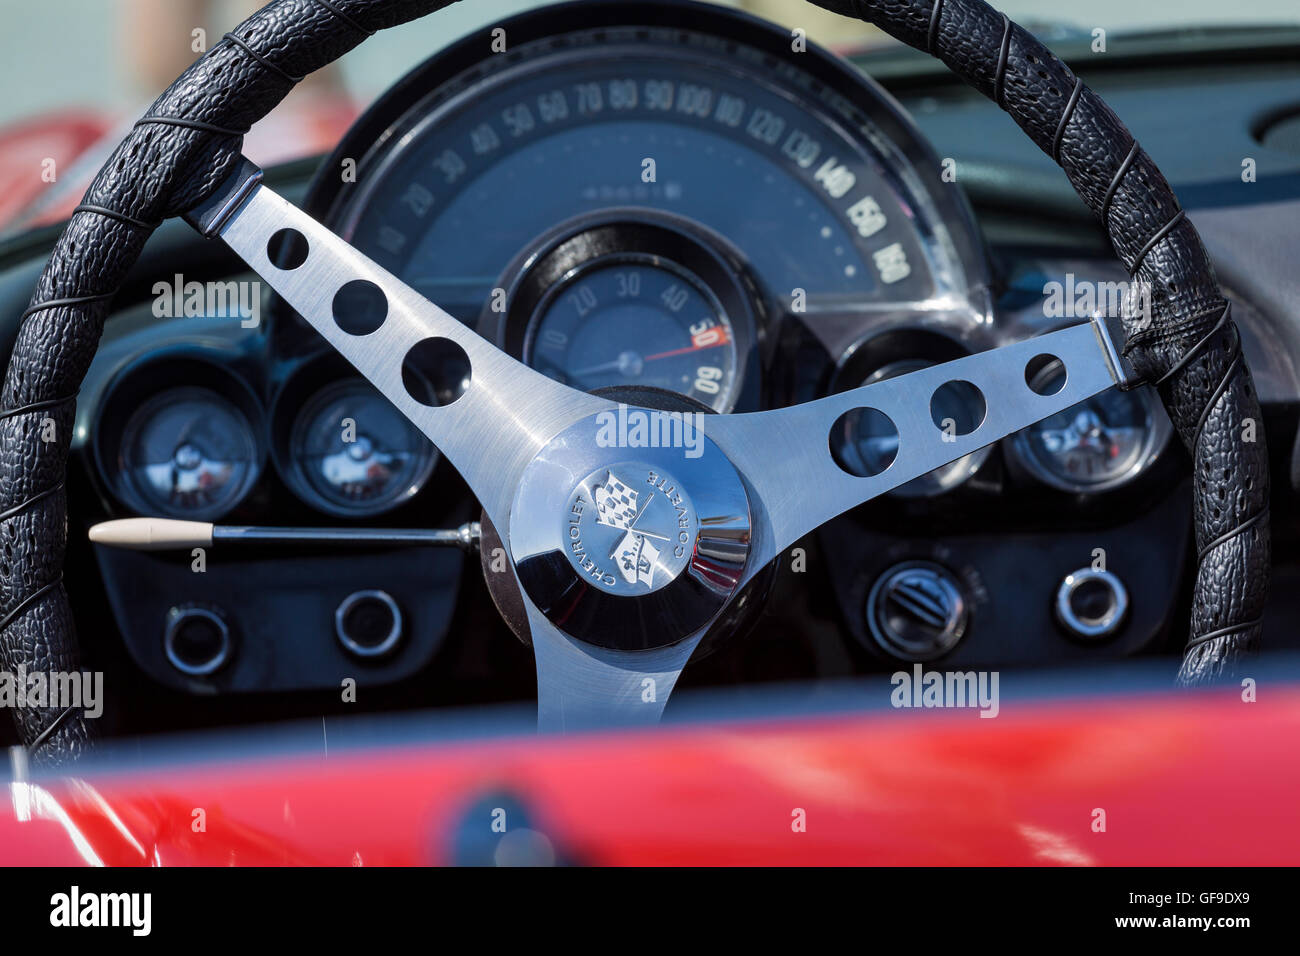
[795,481]
[582,687]
[488,413]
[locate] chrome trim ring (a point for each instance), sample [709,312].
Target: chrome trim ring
[1092,628]
[365,650]
[177,617]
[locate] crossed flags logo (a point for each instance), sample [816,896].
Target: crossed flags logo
[636,559]
[616,507]
[615,503]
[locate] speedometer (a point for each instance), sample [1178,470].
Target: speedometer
[640,205]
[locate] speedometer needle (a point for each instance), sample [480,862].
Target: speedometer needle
[629,363]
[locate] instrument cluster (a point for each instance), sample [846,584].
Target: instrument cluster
[649,203]
[660,198]
[682,207]
[181,434]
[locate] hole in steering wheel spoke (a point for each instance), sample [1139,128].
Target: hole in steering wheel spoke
[436,372]
[360,307]
[864,442]
[957,408]
[287,249]
[1045,374]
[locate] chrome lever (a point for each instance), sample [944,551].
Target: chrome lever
[171,534]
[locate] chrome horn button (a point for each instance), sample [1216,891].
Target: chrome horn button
[631,548]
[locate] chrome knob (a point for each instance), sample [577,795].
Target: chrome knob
[1091,604]
[917,611]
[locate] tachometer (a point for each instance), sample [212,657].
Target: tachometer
[628,320]
[631,297]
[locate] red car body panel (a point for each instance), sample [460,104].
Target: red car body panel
[1183,779]
[26,149]
[79,142]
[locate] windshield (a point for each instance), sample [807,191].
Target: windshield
[76,73]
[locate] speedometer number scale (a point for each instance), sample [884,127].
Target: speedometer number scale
[643,206]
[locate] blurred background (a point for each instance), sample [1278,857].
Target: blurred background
[116,54]
[76,73]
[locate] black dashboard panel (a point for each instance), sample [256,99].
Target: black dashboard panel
[278,607]
[280,610]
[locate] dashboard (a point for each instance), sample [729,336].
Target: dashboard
[664,202]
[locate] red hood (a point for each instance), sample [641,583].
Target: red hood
[874,788]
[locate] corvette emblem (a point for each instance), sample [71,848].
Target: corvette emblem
[630,529]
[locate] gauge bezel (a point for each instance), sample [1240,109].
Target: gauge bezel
[143,381]
[176,617]
[1158,432]
[350,643]
[597,239]
[295,395]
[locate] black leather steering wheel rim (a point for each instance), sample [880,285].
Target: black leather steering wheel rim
[190,140]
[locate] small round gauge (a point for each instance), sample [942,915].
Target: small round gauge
[188,453]
[1097,445]
[632,320]
[353,454]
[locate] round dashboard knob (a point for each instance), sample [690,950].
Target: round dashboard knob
[197,640]
[917,611]
[1091,604]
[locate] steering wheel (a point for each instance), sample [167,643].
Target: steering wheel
[624,556]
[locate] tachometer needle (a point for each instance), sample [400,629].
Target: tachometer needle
[702,341]
[627,363]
